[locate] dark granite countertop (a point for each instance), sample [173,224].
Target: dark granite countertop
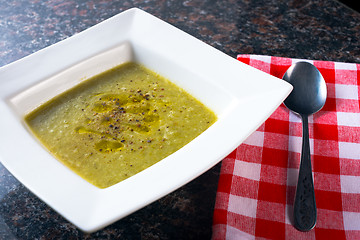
[322,30]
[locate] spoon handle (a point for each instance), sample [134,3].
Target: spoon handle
[305,205]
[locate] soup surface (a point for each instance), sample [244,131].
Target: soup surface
[118,123]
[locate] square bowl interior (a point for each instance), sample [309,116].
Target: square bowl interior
[241,96]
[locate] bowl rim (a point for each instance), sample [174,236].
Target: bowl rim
[241,90]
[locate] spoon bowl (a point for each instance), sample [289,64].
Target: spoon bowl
[308,97]
[309,93]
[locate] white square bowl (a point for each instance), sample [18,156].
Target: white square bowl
[241,96]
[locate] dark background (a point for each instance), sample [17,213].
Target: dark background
[352,4]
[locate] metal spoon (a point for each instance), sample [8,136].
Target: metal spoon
[307,97]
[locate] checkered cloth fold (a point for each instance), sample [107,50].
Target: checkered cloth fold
[258,179]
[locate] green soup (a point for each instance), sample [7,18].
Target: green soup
[118,123]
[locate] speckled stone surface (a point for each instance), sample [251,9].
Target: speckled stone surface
[322,30]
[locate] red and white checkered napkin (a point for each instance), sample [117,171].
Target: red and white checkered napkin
[257,182]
